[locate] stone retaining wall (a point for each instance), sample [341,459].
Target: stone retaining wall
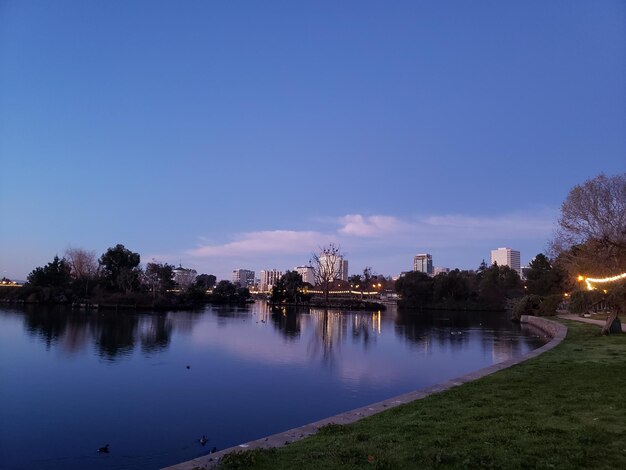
[551,328]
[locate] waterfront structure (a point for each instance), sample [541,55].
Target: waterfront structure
[507,257]
[269,277]
[423,262]
[243,277]
[307,273]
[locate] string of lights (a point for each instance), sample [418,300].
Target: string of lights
[590,281]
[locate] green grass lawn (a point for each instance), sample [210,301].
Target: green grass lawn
[564,409]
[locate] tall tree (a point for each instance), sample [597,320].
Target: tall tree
[224,291]
[54,274]
[158,277]
[591,233]
[415,289]
[542,278]
[591,237]
[83,265]
[206,281]
[327,267]
[120,268]
[288,288]
[497,284]
[451,286]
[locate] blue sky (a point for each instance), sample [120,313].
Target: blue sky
[226,135]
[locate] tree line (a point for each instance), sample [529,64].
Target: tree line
[489,287]
[118,277]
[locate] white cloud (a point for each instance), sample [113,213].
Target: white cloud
[271,241]
[386,241]
[371,226]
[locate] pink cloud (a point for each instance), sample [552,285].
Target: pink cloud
[272,241]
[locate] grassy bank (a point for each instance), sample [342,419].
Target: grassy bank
[564,409]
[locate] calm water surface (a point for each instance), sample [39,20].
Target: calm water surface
[151,385]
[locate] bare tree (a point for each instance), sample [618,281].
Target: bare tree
[327,267]
[591,233]
[591,236]
[83,265]
[158,277]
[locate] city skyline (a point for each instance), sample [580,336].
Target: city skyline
[253,134]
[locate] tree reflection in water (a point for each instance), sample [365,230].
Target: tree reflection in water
[117,334]
[331,327]
[287,321]
[114,334]
[455,328]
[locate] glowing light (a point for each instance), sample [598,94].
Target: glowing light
[591,281]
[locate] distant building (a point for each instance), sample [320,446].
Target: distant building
[243,277]
[269,277]
[307,274]
[423,263]
[341,266]
[343,271]
[184,277]
[507,257]
[440,270]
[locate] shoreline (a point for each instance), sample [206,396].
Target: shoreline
[555,330]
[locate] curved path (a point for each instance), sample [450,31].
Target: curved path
[552,329]
[574,317]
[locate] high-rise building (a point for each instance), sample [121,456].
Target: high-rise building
[269,277]
[423,263]
[507,257]
[307,274]
[343,271]
[243,277]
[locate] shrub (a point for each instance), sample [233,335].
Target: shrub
[527,305]
[550,304]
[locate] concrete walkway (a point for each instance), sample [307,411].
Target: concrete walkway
[554,330]
[574,317]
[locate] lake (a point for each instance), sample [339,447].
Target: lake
[151,384]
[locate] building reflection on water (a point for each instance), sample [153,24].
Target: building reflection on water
[323,331]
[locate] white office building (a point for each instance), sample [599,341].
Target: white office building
[184,277]
[243,277]
[507,257]
[307,274]
[423,263]
[269,277]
